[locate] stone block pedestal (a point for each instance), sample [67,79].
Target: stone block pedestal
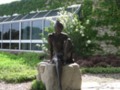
[71,76]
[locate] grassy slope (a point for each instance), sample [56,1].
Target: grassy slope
[18,68]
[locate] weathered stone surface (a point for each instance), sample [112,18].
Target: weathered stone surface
[71,76]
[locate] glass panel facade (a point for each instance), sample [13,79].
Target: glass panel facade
[22,32]
[36,46]
[5,45]
[15,31]
[0,45]
[25,46]
[47,24]
[30,16]
[53,13]
[2,19]
[25,30]
[36,29]
[14,45]
[72,9]
[9,19]
[6,31]
[19,17]
[0,31]
[41,14]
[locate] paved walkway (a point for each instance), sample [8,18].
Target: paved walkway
[18,86]
[89,82]
[85,86]
[101,81]
[100,86]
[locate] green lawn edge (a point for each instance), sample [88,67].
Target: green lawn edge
[100,70]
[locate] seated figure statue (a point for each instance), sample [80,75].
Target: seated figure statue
[60,47]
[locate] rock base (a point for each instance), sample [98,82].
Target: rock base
[71,76]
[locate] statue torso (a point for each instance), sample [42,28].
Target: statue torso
[58,42]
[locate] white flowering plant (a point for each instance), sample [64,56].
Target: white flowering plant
[81,34]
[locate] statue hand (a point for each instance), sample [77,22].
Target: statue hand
[51,62]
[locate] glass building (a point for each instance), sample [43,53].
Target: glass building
[22,32]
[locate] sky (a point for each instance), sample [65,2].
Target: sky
[7,1]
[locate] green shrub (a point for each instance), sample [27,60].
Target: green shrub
[18,68]
[101,70]
[37,85]
[82,37]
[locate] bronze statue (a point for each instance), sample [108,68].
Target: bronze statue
[60,50]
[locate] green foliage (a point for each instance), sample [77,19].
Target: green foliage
[82,37]
[22,7]
[37,85]
[107,12]
[99,13]
[18,68]
[26,6]
[87,8]
[96,70]
[103,13]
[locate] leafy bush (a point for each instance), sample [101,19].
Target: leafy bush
[82,37]
[37,85]
[104,17]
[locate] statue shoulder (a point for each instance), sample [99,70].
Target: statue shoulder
[50,35]
[65,34]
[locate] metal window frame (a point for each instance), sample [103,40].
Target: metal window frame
[15,18]
[24,41]
[23,20]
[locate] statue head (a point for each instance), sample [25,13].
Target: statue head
[58,27]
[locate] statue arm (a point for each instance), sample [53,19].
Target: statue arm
[50,47]
[68,49]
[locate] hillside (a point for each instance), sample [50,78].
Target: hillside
[25,6]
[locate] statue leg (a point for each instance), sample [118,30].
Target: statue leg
[58,65]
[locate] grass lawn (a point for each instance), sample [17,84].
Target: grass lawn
[18,68]
[22,67]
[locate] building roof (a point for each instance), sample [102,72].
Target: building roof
[39,14]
